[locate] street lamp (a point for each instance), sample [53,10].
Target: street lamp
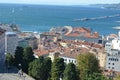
[19,66]
[20,70]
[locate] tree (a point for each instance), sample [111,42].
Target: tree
[28,54]
[117,77]
[27,58]
[58,67]
[70,72]
[36,68]
[47,66]
[96,76]
[18,56]
[87,64]
[40,68]
[9,60]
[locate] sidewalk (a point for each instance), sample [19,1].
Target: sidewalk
[12,74]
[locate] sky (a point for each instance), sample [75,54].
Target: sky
[61,2]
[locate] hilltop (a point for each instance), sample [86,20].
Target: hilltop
[107,6]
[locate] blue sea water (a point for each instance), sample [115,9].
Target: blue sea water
[43,17]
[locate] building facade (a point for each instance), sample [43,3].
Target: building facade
[2,45]
[69,59]
[11,42]
[26,42]
[112,49]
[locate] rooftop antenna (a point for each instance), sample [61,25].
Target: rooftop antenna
[117,28]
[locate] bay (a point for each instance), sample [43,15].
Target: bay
[43,17]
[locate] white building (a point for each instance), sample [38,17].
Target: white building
[112,49]
[2,45]
[11,42]
[68,59]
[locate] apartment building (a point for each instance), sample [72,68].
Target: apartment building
[2,45]
[11,42]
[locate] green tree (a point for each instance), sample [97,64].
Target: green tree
[40,68]
[70,72]
[87,64]
[58,67]
[8,60]
[36,68]
[117,77]
[47,68]
[28,54]
[27,58]
[96,76]
[18,56]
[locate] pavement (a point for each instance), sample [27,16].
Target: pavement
[12,74]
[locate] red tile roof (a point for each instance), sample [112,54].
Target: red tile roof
[74,53]
[72,49]
[81,31]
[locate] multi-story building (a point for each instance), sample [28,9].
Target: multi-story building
[11,42]
[2,45]
[68,58]
[28,39]
[26,42]
[112,49]
[113,56]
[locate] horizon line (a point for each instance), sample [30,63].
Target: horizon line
[58,4]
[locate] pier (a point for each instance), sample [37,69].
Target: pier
[97,18]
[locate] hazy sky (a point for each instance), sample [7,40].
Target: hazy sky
[60,2]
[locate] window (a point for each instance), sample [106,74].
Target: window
[75,61]
[109,63]
[113,59]
[112,67]
[109,67]
[112,63]
[65,59]
[69,60]
[117,59]
[72,60]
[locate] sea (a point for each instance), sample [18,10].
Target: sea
[42,18]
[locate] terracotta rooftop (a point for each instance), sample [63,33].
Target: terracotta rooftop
[113,35]
[84,32]
[40,52]
[71,49]
[89,44]
[74,53]
[81,29]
